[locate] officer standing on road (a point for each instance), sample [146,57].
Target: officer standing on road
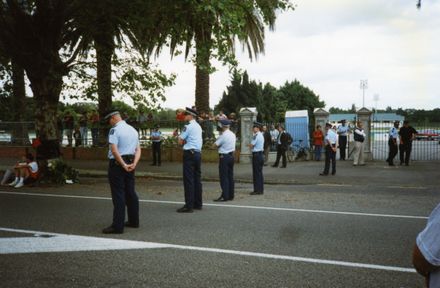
[257,146]
[226,149]
[330,142]
[343,133]
[124,154]
[191,139]
[156,138]
[393,134]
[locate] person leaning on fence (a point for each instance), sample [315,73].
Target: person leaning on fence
[358,151]
[226,148]
[318,139]
[26,172]
[267,144]
[331,142]
[282,146]
[257,147]
[393,136]
[407,134]
[426,252]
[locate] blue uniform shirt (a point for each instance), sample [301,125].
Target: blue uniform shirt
[192,134]
[343,130]
[226,142]
[394,133]
[156,134]
[331,137]
[125,137]
[258,142]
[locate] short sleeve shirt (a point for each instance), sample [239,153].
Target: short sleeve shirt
[125,137]
[343,130]
[258,142]
[393,133]
[192,134]
[226,142]
[156,134]
[428,242]
[331,137]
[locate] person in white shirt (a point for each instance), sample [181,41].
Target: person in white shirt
[342,131]
[358,151]
[330,142]
[426,253]
[26,171]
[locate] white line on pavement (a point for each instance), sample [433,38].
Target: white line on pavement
[69,243]
[227,205]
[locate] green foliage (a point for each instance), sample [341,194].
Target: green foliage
[271,102]
[59,172]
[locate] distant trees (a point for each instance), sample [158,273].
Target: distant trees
[271,102]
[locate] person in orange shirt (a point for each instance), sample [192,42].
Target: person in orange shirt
[318,138]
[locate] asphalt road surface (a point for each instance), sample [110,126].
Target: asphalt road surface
[293,236]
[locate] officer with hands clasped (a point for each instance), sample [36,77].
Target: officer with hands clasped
[257,146]
[124,154]
[226,148]
[191,139]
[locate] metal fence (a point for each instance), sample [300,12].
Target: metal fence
[426,145]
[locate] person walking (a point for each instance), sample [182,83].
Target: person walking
[318,138]
[267,144]
[343,133]
[392,143]
[358,151]
[282,145]
[257,147]
[226,148]
[124,154]
[407,134]
[191,139]
[156,138]
[331,142]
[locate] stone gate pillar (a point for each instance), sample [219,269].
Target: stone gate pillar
[364,116]
[247,116]
[321,118]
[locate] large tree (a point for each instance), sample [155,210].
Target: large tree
[212,28]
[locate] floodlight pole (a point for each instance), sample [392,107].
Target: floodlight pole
[364,85]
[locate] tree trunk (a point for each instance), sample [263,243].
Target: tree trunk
[203,67]
[19,134]
[104,46]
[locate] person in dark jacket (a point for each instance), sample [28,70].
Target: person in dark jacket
[282,146]
[407,134]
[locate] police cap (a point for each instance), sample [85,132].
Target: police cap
[190,111]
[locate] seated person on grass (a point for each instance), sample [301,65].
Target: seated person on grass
[26,171]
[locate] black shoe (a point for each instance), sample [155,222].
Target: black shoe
[198,208]
[128,224]
[275,166]
[283,166]
[333,173]
[323,174]
[112,230]
[184,209]
[220,199]
[391,164]
[256,193]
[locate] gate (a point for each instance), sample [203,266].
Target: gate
[426,145]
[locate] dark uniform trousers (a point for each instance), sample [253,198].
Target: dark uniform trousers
[123,193]
[330,155]
[226,172]
[342,146]
[192,161]
[257,171]
[392,151]
[405,152]
[156,153]
[281,152]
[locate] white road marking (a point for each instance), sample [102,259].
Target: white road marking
[408,187]
[69,243]
[228,205]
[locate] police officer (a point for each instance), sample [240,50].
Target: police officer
[226,149]
[156,138]
[257,146]
[124,154]
[393,134]
[191,139]
[330,142]
[343,133]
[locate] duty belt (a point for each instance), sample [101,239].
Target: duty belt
[128,159]
[223,154]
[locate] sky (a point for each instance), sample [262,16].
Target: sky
[330,45]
